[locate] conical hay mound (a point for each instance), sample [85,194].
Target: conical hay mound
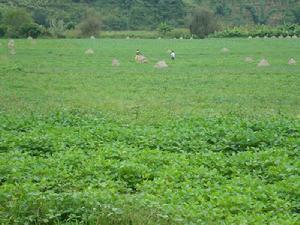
[11,44]
[115,62]
[12,51]
[141,59]
[89,51]
[263,62]
[225,50]
[161,65]
[248,59]
[292,62]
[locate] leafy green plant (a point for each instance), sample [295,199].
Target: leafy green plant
[259,31]
[33,30]
[91,25]
[164,28]
[202,23]
[57,28]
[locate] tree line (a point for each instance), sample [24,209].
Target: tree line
[21,18]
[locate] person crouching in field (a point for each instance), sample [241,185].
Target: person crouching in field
[139,58]
[138,52]
[137,55]
[173,55]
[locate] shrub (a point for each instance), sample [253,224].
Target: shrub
[178,33]
[15,19]
[3,30]
[90,25]
[32,29]
[74,33]
[164,28]
[57,28]
[297,30]
[41,17]
[70,26]
[203,23]
[259,30]
[115,22]
[131,34]
[296,12]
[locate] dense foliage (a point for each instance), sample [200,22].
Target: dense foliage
[260,31]
[211,139]
[85,168]
[142,14]
[202,23]
[18,23]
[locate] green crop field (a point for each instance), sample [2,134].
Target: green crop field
[211,139]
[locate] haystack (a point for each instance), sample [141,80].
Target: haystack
[225,50]
[250,37]
[273,37]
[249,59]
[161,65]
[280,37]
[89,51]
[93,37]
[115,63]
[11,44]
[292,62]
[288,37]
[263,62]
[295,36]
[30,38]
[141,59]
[12,51]
[11,47]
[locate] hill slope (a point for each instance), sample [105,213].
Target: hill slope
[148,14]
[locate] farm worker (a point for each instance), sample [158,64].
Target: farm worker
[173,55]
[138,55]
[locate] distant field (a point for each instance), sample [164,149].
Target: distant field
[210,140]
[56,73]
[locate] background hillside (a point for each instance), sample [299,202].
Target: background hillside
[148,14]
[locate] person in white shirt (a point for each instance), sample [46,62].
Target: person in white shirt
[173,55]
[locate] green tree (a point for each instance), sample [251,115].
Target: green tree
[164,28]
[57,28]
[31,29]
[202,23]
[296,12]
[14,19]
[262,11]
[91,24]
